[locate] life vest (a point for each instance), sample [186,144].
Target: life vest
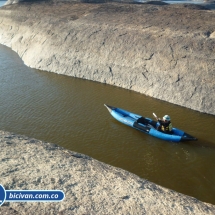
[167,127]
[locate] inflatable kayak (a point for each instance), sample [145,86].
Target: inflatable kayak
[147,125]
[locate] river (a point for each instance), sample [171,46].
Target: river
[70,112]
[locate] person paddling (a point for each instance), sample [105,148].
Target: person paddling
[165,124]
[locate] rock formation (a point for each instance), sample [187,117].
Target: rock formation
[90,186]
[163,51]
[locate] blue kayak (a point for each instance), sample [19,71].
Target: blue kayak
[147,125]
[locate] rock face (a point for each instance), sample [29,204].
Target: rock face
[90,187]
[163,51]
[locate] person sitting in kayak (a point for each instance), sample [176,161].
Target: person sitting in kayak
[165,124]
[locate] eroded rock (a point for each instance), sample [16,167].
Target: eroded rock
[163,51]
[90,186]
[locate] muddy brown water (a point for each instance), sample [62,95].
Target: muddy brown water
[70,112]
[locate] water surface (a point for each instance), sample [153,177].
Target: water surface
[70,112]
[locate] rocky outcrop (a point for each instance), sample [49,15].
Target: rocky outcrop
[163,51]
[90,186]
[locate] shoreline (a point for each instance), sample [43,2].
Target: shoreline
[120,45]
[90,186]
[143,48]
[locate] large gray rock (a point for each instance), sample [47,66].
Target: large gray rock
[163,51]
[56,1]
[90,187]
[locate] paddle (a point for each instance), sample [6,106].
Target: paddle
[155,115]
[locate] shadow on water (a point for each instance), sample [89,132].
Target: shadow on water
[200,143]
